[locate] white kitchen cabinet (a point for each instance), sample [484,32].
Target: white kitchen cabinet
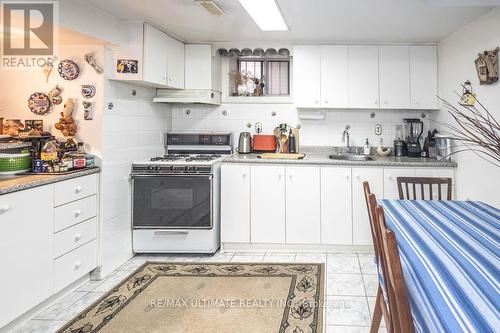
[390,181]
[26,245]
[334,76]
[267,183]
[336,208]
[303,207]
[202,69]
[154,68]
[175,63]
[423,77]
[361,234]
[306,76]
[235,203]
[363,76]
[394,77]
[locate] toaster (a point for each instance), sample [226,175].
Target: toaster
[264,143]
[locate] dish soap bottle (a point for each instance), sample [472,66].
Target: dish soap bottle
[366,148]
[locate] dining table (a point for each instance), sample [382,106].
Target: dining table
[450,255]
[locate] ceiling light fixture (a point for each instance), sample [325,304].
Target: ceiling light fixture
[266,14]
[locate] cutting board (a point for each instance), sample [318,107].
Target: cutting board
[282,156]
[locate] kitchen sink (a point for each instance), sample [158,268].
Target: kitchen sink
[351,157]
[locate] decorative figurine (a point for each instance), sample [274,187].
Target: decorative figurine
[66,123]
[47,69]
[487,66]
[88,91]
[90,59]
[88,112]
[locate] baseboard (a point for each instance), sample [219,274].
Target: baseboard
[252,247]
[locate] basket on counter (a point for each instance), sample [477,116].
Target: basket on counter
[14,162]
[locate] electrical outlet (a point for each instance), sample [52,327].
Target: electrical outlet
[378,129]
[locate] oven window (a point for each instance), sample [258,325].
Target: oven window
[172,202]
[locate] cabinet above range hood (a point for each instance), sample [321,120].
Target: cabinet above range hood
[188,96]
[202,77]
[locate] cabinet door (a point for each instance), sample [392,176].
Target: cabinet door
[26,245]
[303,207]
[235,203]
[363,76]
[336,206]
[198,66]
[154,67]
[423,77]
[267,184]
[175,63]
[361,232]
[306,76]
[334,76]
[394,68]
[390,180]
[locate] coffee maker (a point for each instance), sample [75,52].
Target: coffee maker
[413,131]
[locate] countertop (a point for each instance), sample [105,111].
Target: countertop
[24,182]
[319,156]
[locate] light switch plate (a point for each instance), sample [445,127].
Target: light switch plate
[378,129]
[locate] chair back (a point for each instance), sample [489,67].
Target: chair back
[371,216]
[399,306]
[424,188]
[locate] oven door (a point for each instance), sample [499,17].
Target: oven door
[172,201]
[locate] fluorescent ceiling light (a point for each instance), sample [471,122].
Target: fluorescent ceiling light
[266,14]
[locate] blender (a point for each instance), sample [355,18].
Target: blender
[413,131]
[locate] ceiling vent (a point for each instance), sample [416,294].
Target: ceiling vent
[211,7]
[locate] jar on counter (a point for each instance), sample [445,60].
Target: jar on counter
[49,151]
[79,161]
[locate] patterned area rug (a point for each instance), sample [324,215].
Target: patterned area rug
[225,297]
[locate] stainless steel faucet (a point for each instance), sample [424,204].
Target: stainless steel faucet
[345,137]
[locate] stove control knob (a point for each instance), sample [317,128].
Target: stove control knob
[150,167]
[158,168]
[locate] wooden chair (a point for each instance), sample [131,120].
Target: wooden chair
[399,306]
[380,304]
[408,187]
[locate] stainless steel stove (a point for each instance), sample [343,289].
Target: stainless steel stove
[176,197]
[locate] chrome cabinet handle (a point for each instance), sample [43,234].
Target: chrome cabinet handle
[77,213]
[167,232]
[78,189]
[77,265]
[4,209]
[77,237]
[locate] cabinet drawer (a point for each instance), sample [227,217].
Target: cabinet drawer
[75,264]
[72,237]
[74,189]
[75,212]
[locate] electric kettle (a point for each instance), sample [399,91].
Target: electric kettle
[245,143]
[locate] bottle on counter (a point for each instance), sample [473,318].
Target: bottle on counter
[366,147]
[292,145]
[49,152]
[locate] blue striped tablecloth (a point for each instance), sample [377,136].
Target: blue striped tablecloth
[450,253]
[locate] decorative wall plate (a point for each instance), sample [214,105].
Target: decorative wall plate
[88,91]
[39,103]
[68,69]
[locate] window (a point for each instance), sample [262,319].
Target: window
[260,77]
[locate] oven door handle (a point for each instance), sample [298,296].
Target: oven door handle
[169,232]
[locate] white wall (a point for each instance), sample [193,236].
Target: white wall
[132,131]
[476,179]
[327,132]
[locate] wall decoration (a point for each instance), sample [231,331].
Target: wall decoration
[47,69]
[127,66]
[90,59]
[39,103]
[68,69]
[88,91]
[468,98]
[66,123]
[487,66]
[88,112]
[55,95]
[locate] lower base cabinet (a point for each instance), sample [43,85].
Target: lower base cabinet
[267,208]
[305,204]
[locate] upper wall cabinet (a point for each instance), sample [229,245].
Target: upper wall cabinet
[363,76]
[153,58]
[306,76]
[423,77]
[394,77]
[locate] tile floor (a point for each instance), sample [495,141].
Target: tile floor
[350,291]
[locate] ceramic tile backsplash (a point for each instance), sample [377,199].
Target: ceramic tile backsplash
[132,130]
[327,132]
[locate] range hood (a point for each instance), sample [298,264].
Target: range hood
[188,96]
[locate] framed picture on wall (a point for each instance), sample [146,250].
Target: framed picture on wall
[127,66]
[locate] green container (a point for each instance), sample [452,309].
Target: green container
[10,163]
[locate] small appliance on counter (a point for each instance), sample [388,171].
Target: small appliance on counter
[443,147]
[264,143]
[399,143]
[430,144]
[245,143]
[413,131]
[176,197]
